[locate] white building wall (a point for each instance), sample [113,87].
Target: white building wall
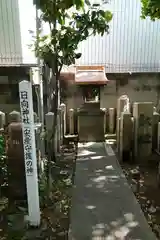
[17,17]
[27,17]
[10,41]
[132,45]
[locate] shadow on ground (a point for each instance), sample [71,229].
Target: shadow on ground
[103,205]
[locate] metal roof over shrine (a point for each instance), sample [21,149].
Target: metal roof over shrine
[86,75]
[90,75]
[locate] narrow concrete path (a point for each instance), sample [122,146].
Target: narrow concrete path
[103,205]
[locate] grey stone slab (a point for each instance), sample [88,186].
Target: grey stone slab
[103,204]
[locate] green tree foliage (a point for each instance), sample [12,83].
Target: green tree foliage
[70,22]
[151,8]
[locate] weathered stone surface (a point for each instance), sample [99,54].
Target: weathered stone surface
[2,119]
[111,112]
[105,119]
[121,103]
[156,119]
[14,116]
[15,158]
[91,125]
[63,118]
[120,106]
[126,134]
[118,134]
[71,121]
[49,117]
[59,138]
[143,118]
[158,138]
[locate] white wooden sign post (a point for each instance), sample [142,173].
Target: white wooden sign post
[26,106]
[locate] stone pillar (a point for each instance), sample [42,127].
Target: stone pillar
[158,149]
[105,116]
[35,117]
[158,138]
[122,101]
[118,135]
[63,114]
[111,120]
[14,116]
[2,119]
[71,121]
[125,136]
[38,148]
[61,125]
[143,116]
[154,109]
[156,119]
[58,129]
[15,162]
[49,117]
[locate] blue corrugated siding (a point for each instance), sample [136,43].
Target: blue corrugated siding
[133,44]
[10,39]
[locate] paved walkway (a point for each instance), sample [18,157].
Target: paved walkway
[103,205]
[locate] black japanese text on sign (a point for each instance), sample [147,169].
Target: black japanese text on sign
[28,151]
[24,107]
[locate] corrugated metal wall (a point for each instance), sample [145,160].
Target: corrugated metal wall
[10,40]
[27,17]
[133,44]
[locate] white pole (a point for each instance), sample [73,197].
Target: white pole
[26,106]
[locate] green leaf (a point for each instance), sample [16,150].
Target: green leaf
[96,5]
[79,4]
[87,2]
[70,23]
[150,8]
[108,15]
[78,55]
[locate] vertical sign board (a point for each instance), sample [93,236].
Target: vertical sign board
[26,106]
